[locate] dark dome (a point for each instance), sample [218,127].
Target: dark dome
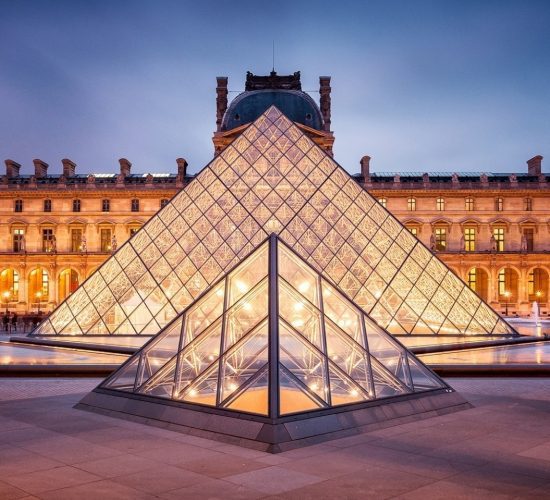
[296,105]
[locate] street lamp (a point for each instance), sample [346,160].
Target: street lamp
[6,296]
[507,294]
[38,296]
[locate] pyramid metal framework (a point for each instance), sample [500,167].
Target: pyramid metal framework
[273,338]
[273,179]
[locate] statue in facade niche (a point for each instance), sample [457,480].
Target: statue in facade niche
[113,244]
[484,179]
[83,244]
[53,244]
[493,243]
[523,243]
[462,244]
[432,243]
[455,178]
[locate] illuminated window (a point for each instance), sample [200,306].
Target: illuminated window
[499,204]
[76,205]
[411,204]
[135,205]
[76,240]
[528,204]
[440,204]
[47,205]
[529,239]
[538,285]
[440,238]
[47,240]
[18,206]
[472,278]
[469,204]
[39,285]
[498,234]
[413,230]
[105,240]
[105,205]
[469,239]
[383,202]
[133,230]
[18,240]
[164,202]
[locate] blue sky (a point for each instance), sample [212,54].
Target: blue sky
[418,85]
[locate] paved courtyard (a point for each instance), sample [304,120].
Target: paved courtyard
[499,449]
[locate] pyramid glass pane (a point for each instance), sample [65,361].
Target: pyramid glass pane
[277,181]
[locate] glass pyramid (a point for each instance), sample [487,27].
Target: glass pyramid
[273,179]
[273,338]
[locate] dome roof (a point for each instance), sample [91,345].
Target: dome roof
[296,105]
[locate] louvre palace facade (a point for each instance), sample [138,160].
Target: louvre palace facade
[491,229]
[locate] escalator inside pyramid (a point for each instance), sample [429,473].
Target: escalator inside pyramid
[271,175]
[275,340]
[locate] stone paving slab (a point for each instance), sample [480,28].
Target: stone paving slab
[498,449]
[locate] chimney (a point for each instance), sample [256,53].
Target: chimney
[534,165]
[125,167]
[182,168]
[324,100]
[69,167]
[365,167]
[221,100]
[40,168]
[12,169]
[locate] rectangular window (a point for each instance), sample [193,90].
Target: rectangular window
[133,230]
[469,239]
[47,240]
[440,204]
[413,230]
[383,202]
[105,240]
[440,238]
[411,204]
[135,205]
[105,205]
[76,240]
[528,204]
[498,234]
[76,205]
[499,204]
[47,205]
[18,240]
[469,204]
[164,202]
[529,239]
[18,206]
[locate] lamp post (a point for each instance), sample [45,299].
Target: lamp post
[507,294]
[38,296]
[6,296]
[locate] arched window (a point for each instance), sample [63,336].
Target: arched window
[39,286]
[9,286]
[68,283]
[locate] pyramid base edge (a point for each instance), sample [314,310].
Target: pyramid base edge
[275,436]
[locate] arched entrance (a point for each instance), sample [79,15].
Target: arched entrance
[508,287]
[67,283]
[9,287]
[39,288]
[538,285]
[478,281]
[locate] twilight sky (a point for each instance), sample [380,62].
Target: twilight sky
[442,85]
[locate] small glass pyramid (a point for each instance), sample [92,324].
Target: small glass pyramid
[273,337]
[273,179]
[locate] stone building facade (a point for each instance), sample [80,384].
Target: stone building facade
[56,229]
